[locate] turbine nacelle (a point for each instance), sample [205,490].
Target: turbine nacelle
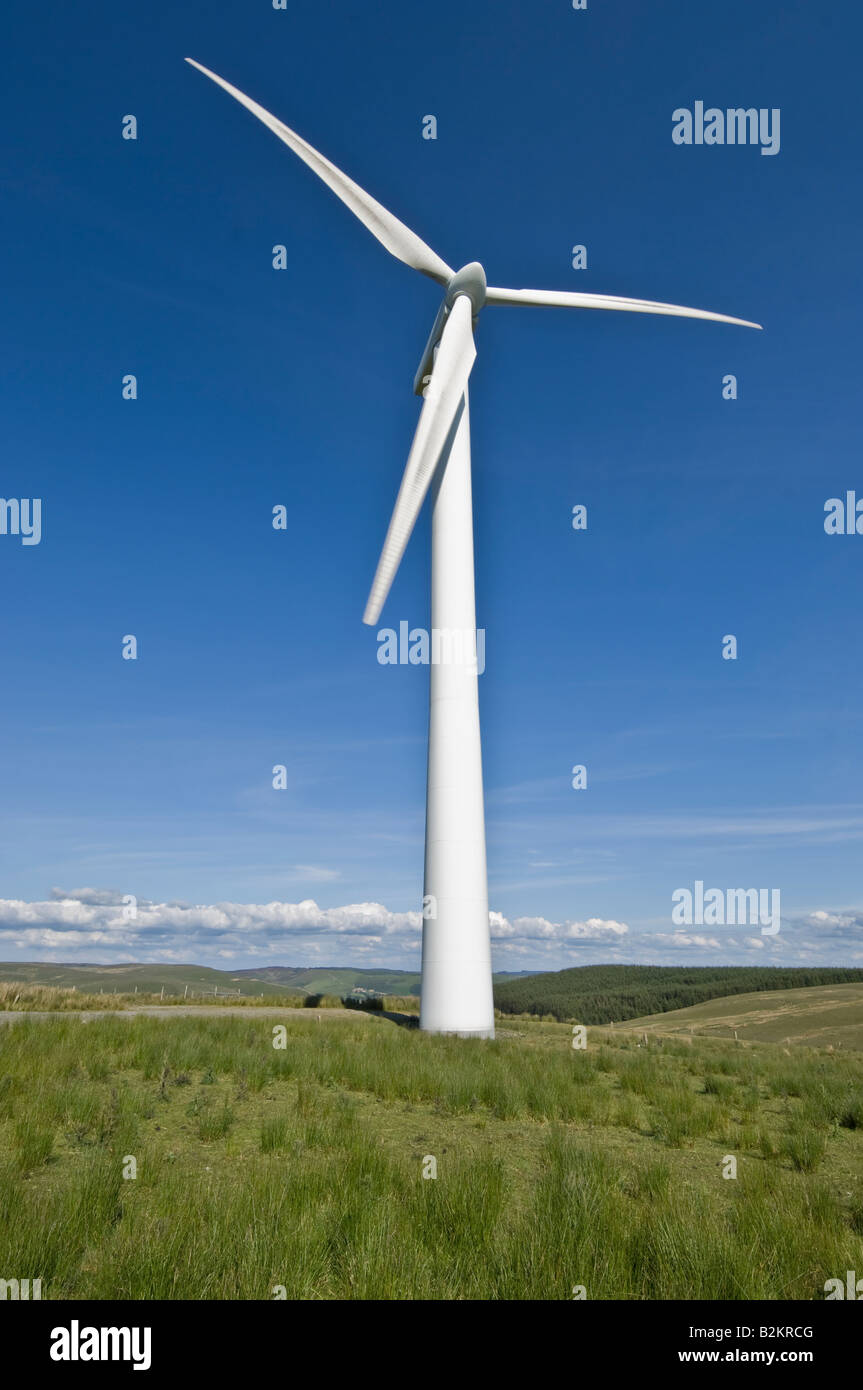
[470,280]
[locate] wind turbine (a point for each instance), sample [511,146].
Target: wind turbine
[456,952]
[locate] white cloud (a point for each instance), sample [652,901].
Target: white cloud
[539,928]
[88,917]
[682,939]
[835,923]
[89,924]
[101,896]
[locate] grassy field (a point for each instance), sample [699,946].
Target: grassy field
[17,998]
[829,1016]
[21,998]
[303,1167]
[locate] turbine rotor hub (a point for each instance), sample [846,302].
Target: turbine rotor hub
[470,280]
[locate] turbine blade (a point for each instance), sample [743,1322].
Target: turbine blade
[404,244]
[441,407]
[568,300]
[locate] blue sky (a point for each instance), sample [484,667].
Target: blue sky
[260,387]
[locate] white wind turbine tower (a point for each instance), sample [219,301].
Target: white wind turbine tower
[456,956]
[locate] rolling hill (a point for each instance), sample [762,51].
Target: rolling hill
[597,994]
[824,1016]
[200,979]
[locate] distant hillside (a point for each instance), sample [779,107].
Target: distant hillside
[826,1016]
[199,979]
[122,979]
[597,994]
[327,979]
[324,979]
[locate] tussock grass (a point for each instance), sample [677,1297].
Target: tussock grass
[261,1167]
[804,1147]
[32,1143]
[28,998]
[56,999]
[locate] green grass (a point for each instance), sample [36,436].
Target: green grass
[818,1016]
[30,998]
[302,1167]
